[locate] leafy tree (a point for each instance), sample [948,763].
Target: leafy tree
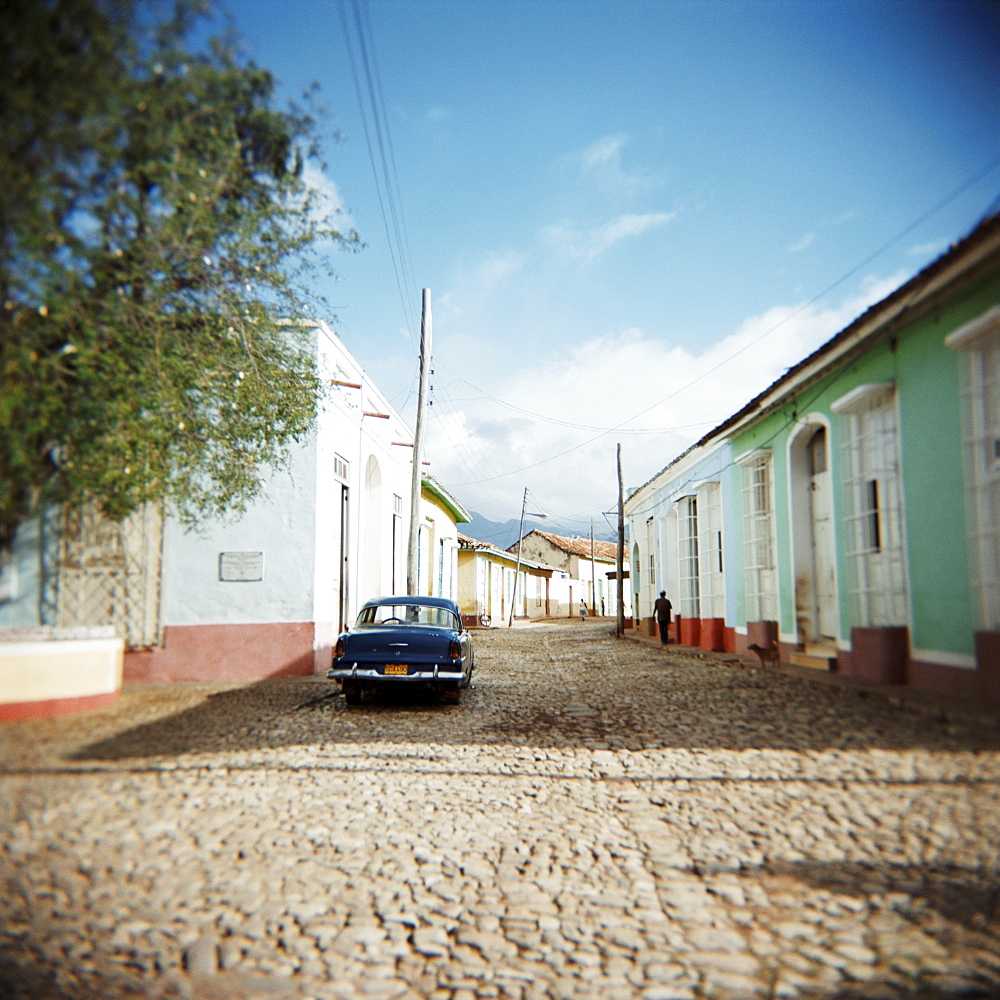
[155,232]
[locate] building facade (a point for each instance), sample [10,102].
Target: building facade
[587,567]
[857,495]
[265,593]
[438,541]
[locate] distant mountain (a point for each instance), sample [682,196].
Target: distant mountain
[503,534]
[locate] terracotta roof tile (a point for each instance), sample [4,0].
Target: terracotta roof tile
[605,551]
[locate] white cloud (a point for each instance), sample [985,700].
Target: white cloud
[606,152]
[327,200]
[498,268]
[489,453]
[928,249]
[802,244]
[589,244]
[601,164]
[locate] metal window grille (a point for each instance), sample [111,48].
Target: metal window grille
[687,557]
[760,579]
[981,432]
[107,573]
[873,521]
[397,504]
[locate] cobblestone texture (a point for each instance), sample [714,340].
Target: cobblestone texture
[597,818]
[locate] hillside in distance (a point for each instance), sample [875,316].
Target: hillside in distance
[503,534]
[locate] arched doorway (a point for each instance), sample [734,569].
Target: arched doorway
[813,536]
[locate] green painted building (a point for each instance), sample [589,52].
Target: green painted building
[866,491]
[858,506]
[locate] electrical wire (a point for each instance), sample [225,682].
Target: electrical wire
[961,188]
[542,418]
[620,428]
[472,458]
[802,404]
[372,105]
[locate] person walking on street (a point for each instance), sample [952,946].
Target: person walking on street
[583,609]
[662,609]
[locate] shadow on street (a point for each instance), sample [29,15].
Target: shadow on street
[550,687]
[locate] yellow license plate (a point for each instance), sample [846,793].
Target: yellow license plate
[396,668]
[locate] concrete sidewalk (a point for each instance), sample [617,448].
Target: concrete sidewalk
[946,708]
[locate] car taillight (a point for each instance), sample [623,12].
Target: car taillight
[456,650]
[338,650]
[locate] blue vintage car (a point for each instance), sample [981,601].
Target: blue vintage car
[400,641]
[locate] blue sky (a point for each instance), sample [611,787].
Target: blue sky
[609,200]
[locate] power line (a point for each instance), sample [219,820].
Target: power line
[960,189]
[558,422]
[371,104]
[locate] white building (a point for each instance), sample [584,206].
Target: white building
[587,568]
[266,593]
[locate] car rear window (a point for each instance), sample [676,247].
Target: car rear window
[407,614]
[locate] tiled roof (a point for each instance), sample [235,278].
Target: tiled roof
[473,543]
[605,551]
[465,542]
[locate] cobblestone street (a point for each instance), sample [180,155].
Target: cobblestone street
[598,818]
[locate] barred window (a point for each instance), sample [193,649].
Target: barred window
[760,578]
[873,520]
[980,343]
[711,585]
[687,557]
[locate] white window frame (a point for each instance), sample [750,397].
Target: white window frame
[875,548]
[688,573]
[979,341]
[711,580]
[341,469]
[759,536]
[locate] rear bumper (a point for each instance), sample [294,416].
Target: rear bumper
[359,674]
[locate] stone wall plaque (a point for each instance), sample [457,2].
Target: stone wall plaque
[241,567]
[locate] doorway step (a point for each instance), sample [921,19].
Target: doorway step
[816,657]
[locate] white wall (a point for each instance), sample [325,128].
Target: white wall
[297,522]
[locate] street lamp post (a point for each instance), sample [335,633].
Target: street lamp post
[517,568]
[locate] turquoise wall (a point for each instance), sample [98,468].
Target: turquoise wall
[927,376]
[929,383]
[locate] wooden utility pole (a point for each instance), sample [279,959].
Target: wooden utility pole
[412,583]
[621,547]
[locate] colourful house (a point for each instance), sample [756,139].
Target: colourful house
[860,521]
[487,590]
[588,566]
[681,543]
[438,540]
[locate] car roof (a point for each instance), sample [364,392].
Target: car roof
[427,602]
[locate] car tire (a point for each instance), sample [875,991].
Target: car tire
[451,696]
[352,694]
